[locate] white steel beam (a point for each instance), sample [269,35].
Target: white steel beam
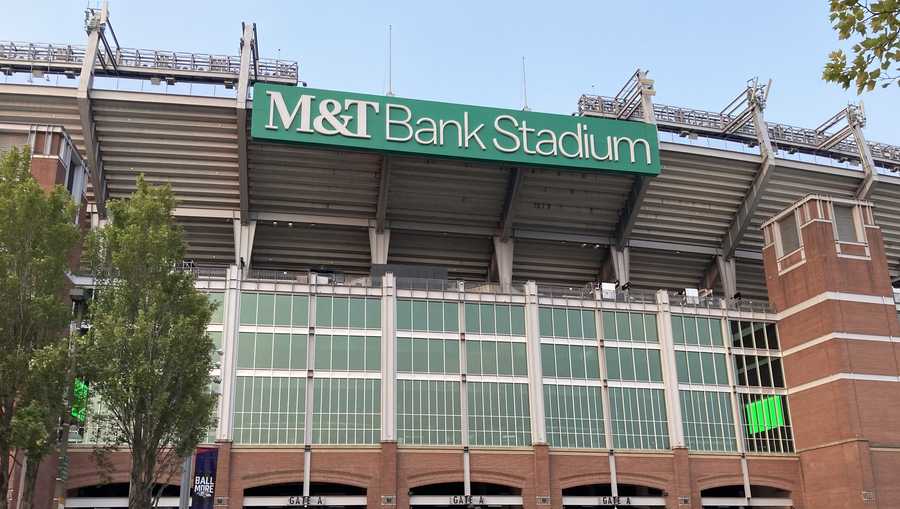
[509,202]
[379,244]
[384,187]
[85,109]
[756,100]
[388,358]
[243,242]
[503,259]
[533,357]
[248,41]
[857,120]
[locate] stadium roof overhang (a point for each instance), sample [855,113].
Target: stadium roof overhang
[314,206]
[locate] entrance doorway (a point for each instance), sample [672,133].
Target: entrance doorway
[733,497]
[452,496]
[334,495]
[601,495]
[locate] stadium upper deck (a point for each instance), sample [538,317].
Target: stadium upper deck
[184,119]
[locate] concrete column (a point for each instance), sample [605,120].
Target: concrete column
[503,255]
[379,242]
[727,275]
[620,259]
[535,378]
[604,377]
[243,242]
[670,375]
[388,359]
[231,327]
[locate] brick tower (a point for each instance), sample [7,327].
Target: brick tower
[827,277]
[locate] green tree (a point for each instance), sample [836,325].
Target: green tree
[37,231]
[148,352]
[44,401]
[875,29]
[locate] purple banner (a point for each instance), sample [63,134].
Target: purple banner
[203,487]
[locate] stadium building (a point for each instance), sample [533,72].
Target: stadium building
[429,304]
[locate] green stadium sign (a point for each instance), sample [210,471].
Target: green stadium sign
[764,414]
[428,128]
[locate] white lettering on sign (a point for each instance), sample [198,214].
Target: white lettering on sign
[350,119]
[204,486]
[615,500]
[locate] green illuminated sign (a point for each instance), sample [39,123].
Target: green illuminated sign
[429,128]
[764,414]
[79,401]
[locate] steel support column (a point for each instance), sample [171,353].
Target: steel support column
[756,103]
[95,27]
[248,43]
[669,372]
[243,242]
[533,356]
[384,187]
[857,120]
[379,243]
[388,358]
[503,259]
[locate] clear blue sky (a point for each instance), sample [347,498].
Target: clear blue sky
[699,53]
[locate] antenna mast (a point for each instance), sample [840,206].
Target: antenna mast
[390,90]
[524,87]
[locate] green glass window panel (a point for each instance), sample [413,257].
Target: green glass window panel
[589,324]
[764,414]
[404,314]
[563,361]
[592,363]
[216,338]
[545,319]
[626,356]
[298,351]
[690,331]
[577,357]
[282,310]
[420,355]
[489,357]
[404,355]
[623,331]
[681,364]
[473,357]
[503,319]
[695,368]
[451,355]
[373,313]
[341,311]
[487,318]
[641,370]
[504,358]
[219,312]
[613,365]
[721,369]
[420,315]
[520,359]
[357,313]
[435,316]
[472,320]
[266,309]
[435,356]
[282,357]
[637,327]
[248,308]
[300,311]
[609,326]
[709,368]
[263,357]
[573,317]
[650,328]
[703,331]
[716,333]
[373,354]
[323,312]
[559,323]
[517,320]
[677,330]
[357,351]
[340,350]
[548,360]
[451,317]
[653,361]
[323,351]
[245,349]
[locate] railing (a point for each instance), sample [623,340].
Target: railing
[708,123]
[54,57]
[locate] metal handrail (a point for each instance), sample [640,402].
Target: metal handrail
[709,123]
[38,55]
